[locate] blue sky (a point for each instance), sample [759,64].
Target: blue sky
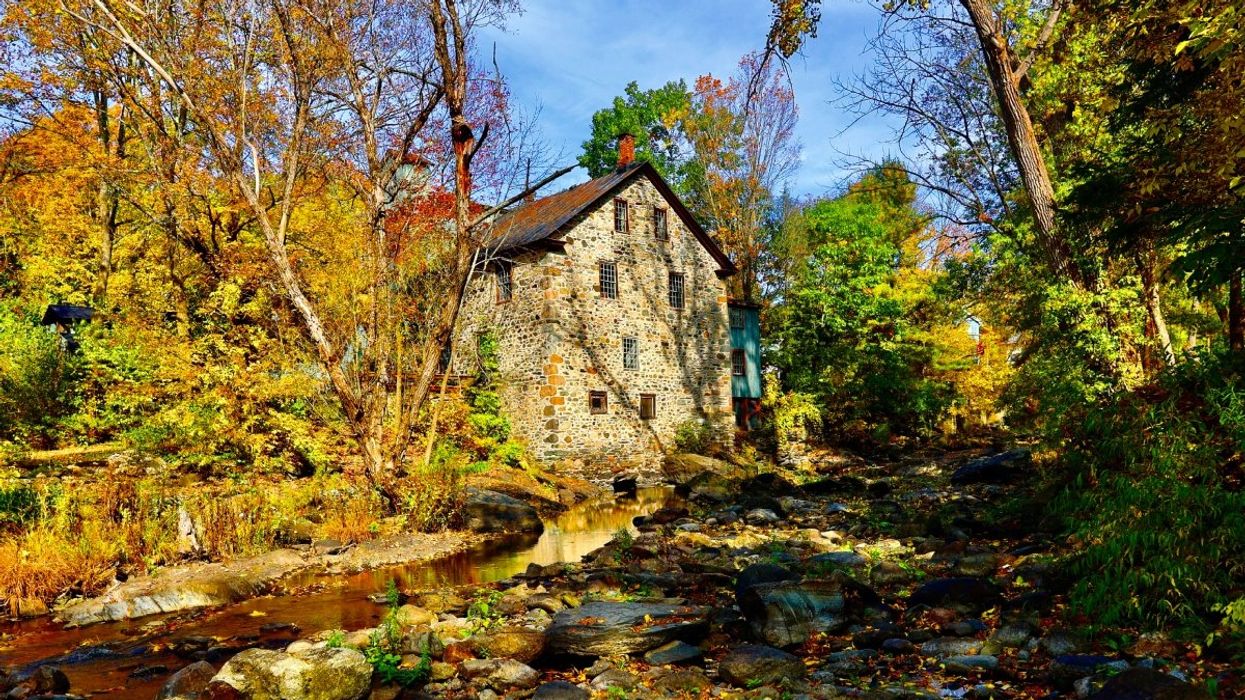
[572,57]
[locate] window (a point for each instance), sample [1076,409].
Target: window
[620,215]
[659,224]
[631,353]
[504,287]
[648,406]
[676,290]
[609,280]
[597,403]
[739,363]
[737,318]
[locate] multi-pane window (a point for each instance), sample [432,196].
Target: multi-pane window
[739,363]
[631,353]
[620,215]
[505,288]
[676,290]
[597,402]
[737,318]
[609,280]
[648,406]
[659,224]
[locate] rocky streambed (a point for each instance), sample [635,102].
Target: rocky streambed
[861,580]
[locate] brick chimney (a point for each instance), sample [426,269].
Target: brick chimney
[626,150]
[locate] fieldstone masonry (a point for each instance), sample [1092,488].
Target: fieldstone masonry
[559,339]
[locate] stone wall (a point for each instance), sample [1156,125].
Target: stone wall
[559,339]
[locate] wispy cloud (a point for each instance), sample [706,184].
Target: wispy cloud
[572,58]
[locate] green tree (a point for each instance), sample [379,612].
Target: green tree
[652,117]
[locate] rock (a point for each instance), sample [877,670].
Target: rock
[963,593]
[1013,635]
[848,662]
[1060,642]
[509,642]
[761,516]
[412,616]
[43,680]
[970,662]
[768,484]
[615,678]
[667,515]
[442,602]
[898,646]
[673,653]
[320,673]
[761,573]
[752,664]
[682,682]
[841,558]
[187,683]
[28,607]
[185,588]
[490,511]
[788,612]
[946,647]
[709,487]
[995,469]
[680,469]
[872,638]
[560,690]
[610,629]
[500,674]
[1148,684]
[1065,670]
[850,485]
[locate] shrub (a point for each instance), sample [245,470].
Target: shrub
[693,436]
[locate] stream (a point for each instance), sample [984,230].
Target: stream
[133,658]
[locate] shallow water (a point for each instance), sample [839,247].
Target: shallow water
[101,659]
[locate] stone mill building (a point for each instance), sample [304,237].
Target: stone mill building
[609,305]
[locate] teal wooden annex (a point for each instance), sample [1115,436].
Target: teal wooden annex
[745,321]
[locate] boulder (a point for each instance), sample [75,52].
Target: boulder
[500,674]
[614,629]
[995,469]
[757,574]
[709,487]
[1065,670]
[752,664]
[319,673]
[962,593]
[187,683]
[517,643]
[682,682]
[673,653]
[490,511]
[412,616]
[968,663]
[1148,684]
[947,647]
[42,680]
[679,469]
[841,558]
[625,484]
[560,690]
[787,613]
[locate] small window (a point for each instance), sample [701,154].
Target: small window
[739,363]
[676,290]
[598,403]
[659,224]
[505,289]
[609,280]
[648,406]
[443,362]
[631,353]
[620,215]
[738,321]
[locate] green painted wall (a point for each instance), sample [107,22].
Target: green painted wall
[747,339]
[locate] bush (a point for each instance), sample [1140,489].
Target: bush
[1155,499]
[693,436]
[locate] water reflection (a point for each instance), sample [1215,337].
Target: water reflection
[334,602]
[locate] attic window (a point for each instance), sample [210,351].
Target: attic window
[659,224]
[739,363]
[648,406]
[505,287]
[676,290]
[598,403]
[609,280]
[620,215]
[631,353]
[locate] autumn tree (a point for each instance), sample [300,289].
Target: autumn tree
[297,104]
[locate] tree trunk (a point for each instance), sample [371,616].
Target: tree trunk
[1236,314]
[1021,137]
[1146,264]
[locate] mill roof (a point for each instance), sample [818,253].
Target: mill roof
[546,219]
